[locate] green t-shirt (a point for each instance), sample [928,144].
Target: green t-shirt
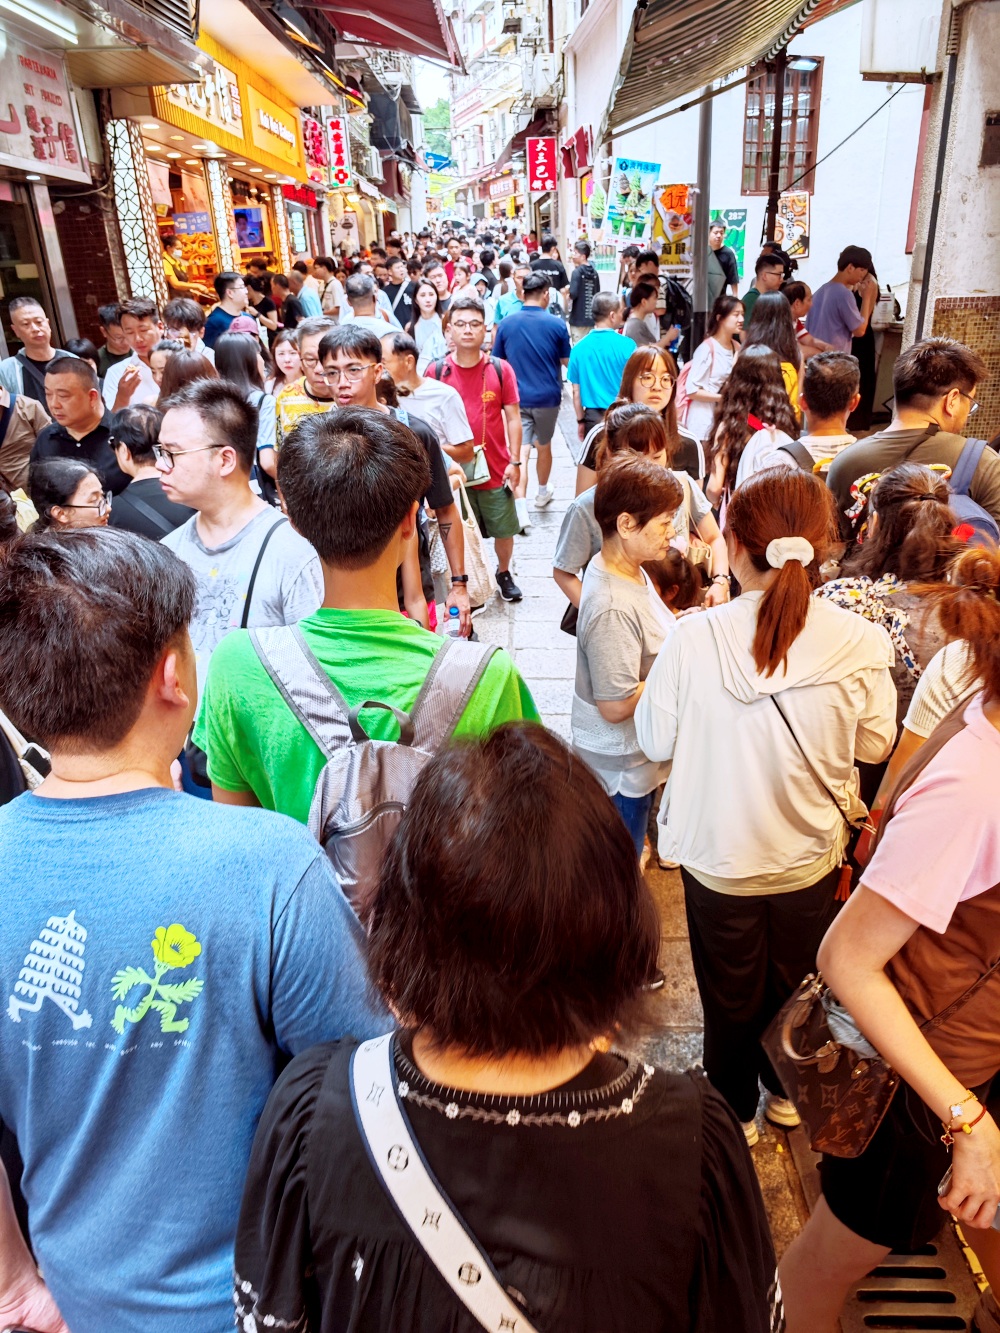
[255,743]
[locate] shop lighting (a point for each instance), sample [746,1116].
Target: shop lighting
[151,125]
[42,18]
[177,138]
[192,161]
[174,155]
[237,162]
[153,148]
[32,178]
[270,176]
[256,171]
[804,64]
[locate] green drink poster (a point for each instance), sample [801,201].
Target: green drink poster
[630,197]
[736,231]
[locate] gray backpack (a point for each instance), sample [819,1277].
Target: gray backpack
[365,784]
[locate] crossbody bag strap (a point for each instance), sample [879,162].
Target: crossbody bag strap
[809,764]
[418,1198]
[147,511]
[256,569]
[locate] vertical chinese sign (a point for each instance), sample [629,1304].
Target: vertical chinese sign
[541,155]
[340,152]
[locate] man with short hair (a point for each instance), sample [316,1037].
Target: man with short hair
[537,346]
[290,311]
[397,289]
[642,302]
[307,297]
[163,959]
[769,274]
[24,372]
[550,265]
[584,284]
[723,270]
[207,450]
[81,424]
[488,388]
[131,381]
[834,316]
[595,368]
[310,392]
[511,302]
[828,394]
[454,248]
[487,258]
[184,320]
[934,385]
[233,300]
[331,290]
[352,359]
[116,346]
[438,404]
[363,308]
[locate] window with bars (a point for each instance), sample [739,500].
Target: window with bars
[799,129]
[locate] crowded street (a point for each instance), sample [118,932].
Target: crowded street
[499,666]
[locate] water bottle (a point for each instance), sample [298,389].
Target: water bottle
[453,626]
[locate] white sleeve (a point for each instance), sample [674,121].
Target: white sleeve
[456,420]
[111,383]
[876,730]
[701,367]
[657,710]
[947,680]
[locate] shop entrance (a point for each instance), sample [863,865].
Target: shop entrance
[22,271]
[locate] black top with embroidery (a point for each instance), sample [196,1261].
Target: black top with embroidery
[624,1200]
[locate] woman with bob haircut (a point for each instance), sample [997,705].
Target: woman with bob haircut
[764,705]
[238,359]
[622,626]
[184,368]
[607,1194]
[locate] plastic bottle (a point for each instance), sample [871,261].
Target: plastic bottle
[453,625]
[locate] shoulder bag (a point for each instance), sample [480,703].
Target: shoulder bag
[418,1198]
[482,584]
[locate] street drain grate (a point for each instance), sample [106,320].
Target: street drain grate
[928,1289]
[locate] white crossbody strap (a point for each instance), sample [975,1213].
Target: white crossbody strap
[419,1199]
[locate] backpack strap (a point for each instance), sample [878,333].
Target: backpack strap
[799,452]
[439,366]
[965,468]
[304,685]
[457,669]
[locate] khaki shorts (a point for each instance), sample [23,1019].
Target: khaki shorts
[495,512]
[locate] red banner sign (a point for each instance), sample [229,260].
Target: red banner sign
[541,165]
[340,151]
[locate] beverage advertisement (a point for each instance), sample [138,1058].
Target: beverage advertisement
[672,220]
[736,231]
[630,197]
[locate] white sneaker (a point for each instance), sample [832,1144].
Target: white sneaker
[780,1111]
[751,1132]
[544,497]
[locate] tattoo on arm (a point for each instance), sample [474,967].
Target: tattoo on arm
[444,529]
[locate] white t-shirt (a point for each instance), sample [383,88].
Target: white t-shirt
[762,451]
[146,391]
[710,367]
[441,406]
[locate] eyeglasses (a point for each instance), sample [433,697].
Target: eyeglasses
[468,325]
[647,379]
[974,403]
[170,456]
[352,374]
[103,505]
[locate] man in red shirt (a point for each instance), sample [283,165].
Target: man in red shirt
[454,255]
[488,388]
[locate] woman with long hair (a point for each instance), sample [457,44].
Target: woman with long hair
[764,706]
[919,938]
[755,388]
[772,325]
[182,369]
[425,327]
[238,359]
[67,493]
[711,365]
[286,363]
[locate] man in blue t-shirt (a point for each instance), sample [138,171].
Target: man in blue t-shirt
[595,375]
[162,957]
[234,298]
[834,317]
[537,345]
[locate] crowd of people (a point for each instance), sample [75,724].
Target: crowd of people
[380,1070]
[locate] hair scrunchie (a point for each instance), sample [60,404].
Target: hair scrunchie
[783,549]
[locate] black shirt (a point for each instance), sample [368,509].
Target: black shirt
[490,277]
[291,312]
[553,270]
[33,374]
[439,494]
[403,307]
[727,262]
[106,359]
[129,510]
[55,441]
[583,287]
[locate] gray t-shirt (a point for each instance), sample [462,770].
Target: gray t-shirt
[580,536]
[639,331]
[289,584]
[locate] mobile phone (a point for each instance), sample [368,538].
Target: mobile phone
[943,1188]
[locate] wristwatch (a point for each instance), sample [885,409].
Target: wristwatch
[459,578]
[515,462]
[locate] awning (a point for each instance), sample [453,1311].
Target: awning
[419,27]
[677,47]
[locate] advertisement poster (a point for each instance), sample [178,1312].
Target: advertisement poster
[792,230]
[630,197]
[736,231]
[605,258]
[672,219]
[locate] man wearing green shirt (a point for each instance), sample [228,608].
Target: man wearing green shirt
[352,482]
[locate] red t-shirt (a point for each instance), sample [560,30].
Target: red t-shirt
[484,395]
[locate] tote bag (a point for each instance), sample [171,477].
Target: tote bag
[482,584]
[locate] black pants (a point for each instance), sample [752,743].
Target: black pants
[749,956]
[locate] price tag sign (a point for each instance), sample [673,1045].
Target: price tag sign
[541,155]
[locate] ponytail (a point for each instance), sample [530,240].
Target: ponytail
[766,514]
[968,608]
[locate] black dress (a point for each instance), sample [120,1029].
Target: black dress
[625,1201]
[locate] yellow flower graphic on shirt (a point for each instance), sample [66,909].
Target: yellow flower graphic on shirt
[173,947]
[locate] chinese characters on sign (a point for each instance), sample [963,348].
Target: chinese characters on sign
[216,99]
[37,129]
[340,151]
[672,220]
[541,165]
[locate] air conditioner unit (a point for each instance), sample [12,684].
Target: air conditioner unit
[374,164]
[544,73]
[899,40]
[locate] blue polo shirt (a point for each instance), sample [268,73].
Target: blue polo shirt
[596,364]
[534,342]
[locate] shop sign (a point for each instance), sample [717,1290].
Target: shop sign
[541,154]
[37,128]
[300,194]
[630,196]
[272,128]
[340,151]
[672,219]
[215,100]
[317,154]
[504,187]
[792,230]
[191,224]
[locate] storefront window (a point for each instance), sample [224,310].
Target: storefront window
[183,211]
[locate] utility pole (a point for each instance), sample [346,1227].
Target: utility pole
[699,303]
[773,182]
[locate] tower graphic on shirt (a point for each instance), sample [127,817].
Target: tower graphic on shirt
[53,969]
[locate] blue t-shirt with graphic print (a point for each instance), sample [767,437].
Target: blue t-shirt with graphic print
[161,958]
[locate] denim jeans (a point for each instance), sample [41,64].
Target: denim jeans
[635,812]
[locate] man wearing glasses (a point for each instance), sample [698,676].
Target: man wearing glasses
[252,568]
[488,387]
[934,387]
[81,424]
[311,392]
[233,300]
